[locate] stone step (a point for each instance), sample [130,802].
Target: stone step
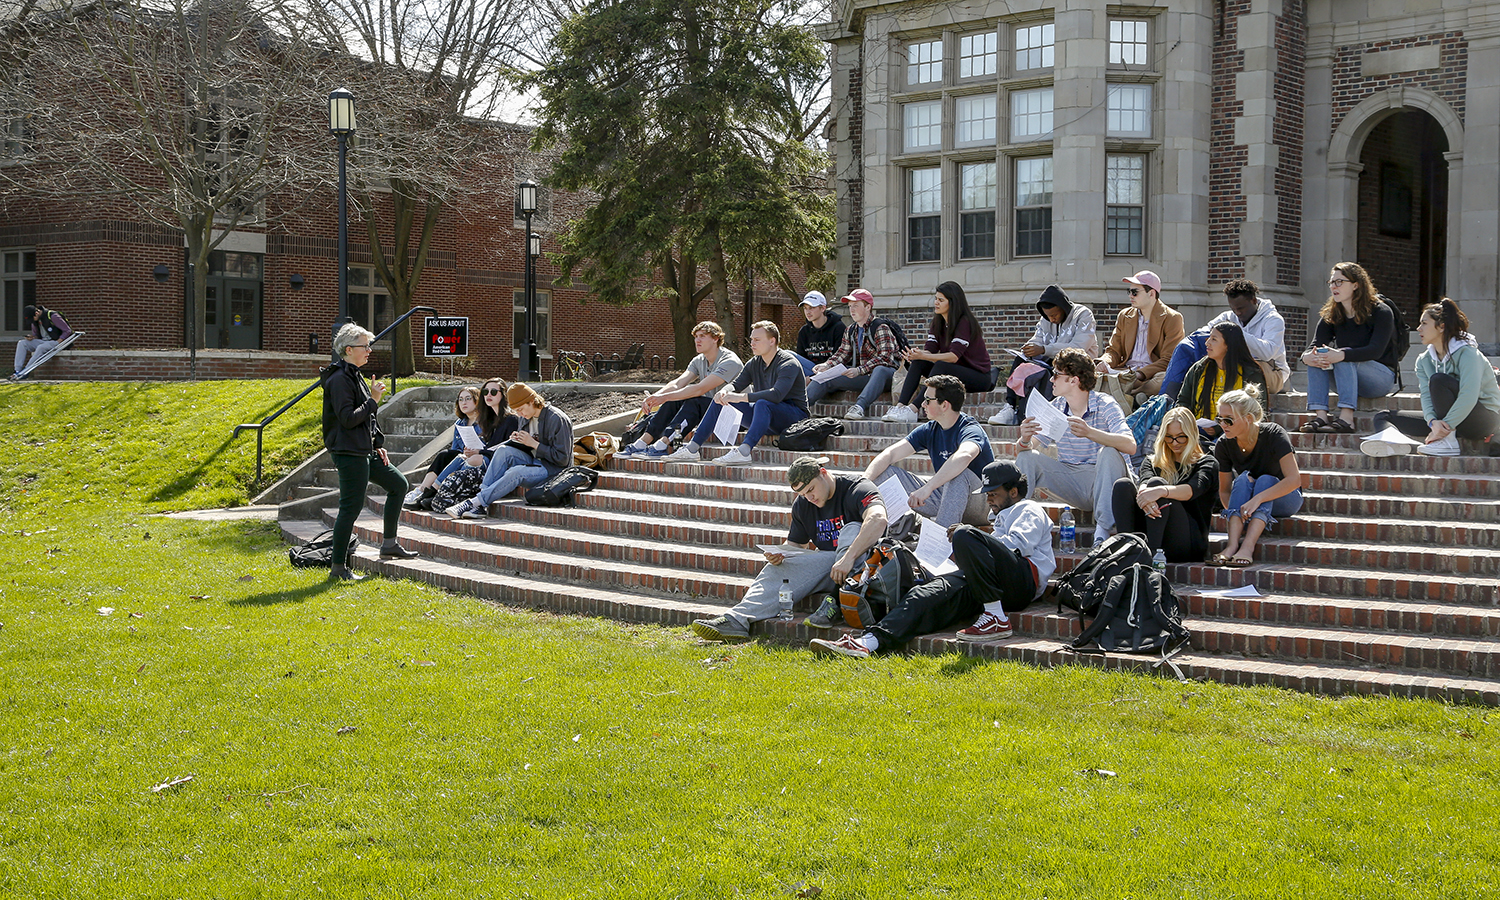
[427,427]
[1388,557]
[676,530]
[1462,539]
[1332,612]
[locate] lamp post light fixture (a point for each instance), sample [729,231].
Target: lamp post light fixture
[341,124]
[526,197]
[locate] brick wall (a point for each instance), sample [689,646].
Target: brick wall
[1226,199]
[172,365]
[1394,262]
[1287,132]
[1449,81]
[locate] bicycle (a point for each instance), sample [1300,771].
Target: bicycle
[571,365]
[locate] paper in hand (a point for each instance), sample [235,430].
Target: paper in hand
[1052,421]
[894,496]
[1017,354]
[787,550]
[727,429]
[830,373]
[933,548]
[470,436]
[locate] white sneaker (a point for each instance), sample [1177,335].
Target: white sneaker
[1383,449]
[412,496]
[902,413]
[1448,446]
[735,457]
[1006,416]
[683,454]
[855,412]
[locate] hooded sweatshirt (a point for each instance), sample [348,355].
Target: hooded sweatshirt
[1265,334]
[1476,380]
[817,344]
[1077,329]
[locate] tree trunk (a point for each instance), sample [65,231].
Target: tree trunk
[680,271]
[718,281]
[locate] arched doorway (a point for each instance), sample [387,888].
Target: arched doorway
[1402,230]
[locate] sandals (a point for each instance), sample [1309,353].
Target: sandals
[1314,425]
[1237,562]
[1218,559]
[1336,426]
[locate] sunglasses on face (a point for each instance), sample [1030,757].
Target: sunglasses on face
[1133,291]
[1177,438]
[492,392]
[1224,420]
[1336,283]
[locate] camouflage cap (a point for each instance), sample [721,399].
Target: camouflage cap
[804,469]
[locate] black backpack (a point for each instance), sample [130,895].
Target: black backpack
[1082,589]
[1140,614]
[809,434]
[902,343]
[1400,338]
[890,570]
[560,488]
[317,553]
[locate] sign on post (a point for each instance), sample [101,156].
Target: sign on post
[447,337]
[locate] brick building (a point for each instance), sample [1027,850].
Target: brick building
[1011,145]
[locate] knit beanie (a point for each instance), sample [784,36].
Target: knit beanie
[521,394]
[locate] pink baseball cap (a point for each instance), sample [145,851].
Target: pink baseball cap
[860,294]
[1146,279]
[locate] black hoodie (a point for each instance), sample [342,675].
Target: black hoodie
[817,344]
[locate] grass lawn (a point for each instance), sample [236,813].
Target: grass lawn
[390,740]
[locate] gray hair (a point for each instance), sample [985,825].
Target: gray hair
[347,337]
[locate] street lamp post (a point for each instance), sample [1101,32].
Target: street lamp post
[341,123]
[526,194]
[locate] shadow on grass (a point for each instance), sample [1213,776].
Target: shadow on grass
[189,479]
[243,537]
[296,595]
[961,665]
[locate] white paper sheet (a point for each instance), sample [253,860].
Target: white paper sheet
[933,548]
[830,373]
[1017,354]
[894,496]
[727,429]
[1391,434]
[470,436]
[787,550]
[1053,422]
[1244,590]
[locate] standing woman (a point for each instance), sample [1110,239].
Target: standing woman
[955,346]
[1258,475]
[357,446]
[1353,347]
[1226,366]
[1174,501]
[1460,398]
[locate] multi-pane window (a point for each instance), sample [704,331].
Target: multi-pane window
[924,213]
[1034,206]
[543,321]
[13,136]
[975,120]
[1031,114]
[924,62]
[1128,110]
[923,124]
[1125,204]
[1128,43]
[369,301]
[977,54]
[1034,47]
[976,211]
[17,286]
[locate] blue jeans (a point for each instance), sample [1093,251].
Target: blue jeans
[1192,348]
[807,364]
[1244,489]
[1352,380]
[764,417]
[869,386]
[509,469]
[677,415]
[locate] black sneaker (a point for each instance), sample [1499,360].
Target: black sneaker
[828,615]
[720,628]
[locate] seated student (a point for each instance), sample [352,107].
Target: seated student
[1259,480]
[1172,499]
[1354,347]
[777,397]
[1089,454]
[1460,398]
[471,412]
[1063,324]
[822,334]
[955,346]
[998,574]
[1227,366]
[495,425]
[1265,335]
[958,448]
[679,404]
[45,329]
[541,447]
[1143,353]
[836,517]
[869,351]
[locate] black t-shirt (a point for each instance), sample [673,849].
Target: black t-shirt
[852,495]
[1265,459]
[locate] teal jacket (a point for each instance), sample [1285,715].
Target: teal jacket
[1476,380]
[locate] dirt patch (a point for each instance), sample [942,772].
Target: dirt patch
[582,407]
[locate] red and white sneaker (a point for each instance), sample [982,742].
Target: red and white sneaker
[846,645]
[987,628]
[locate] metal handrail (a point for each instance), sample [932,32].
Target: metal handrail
[260,427]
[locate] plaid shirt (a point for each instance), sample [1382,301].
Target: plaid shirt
[878,348]
[1104,414]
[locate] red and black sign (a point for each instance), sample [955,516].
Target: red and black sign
[448,337]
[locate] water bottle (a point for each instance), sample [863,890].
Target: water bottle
[785,599]
[1159,562]
[1067,534]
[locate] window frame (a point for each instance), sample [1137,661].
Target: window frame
[929,219]
[15,283]
[1047,116]
[1140,206]
[935,127]
[374,289]
[1047,52]
[1114,89]
[959,122]
[993,55]
[934,64]
[1110,43]
[967,214]
[1018,209]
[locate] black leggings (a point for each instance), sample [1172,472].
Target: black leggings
[1174,532]
[975,381]
[440,462]
[1480,423]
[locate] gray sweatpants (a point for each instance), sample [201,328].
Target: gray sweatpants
[806,574]
[950,504]
[1084,486]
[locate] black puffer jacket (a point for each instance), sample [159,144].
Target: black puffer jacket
[349,412]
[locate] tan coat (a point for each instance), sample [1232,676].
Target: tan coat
[1164,334]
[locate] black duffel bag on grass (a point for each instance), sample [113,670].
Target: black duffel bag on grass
[317,553]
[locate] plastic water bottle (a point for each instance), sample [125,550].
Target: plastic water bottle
[1159,562]
[785,599]
[1067,533]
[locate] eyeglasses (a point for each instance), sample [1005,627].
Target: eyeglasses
[492,392]
[928,399]
[359,346]
[1177,438]
[1335,283]
[1223,420]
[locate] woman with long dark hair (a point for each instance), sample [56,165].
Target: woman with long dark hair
[482,408]
[1460,397]
[1226,366]
[1352,349]
[954,346]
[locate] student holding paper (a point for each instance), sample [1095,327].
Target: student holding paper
[1172,499]
[473,413]
[958,448]
[1063,324]
[837,519]
[539,447]
[681,403]
[1460,398]
[771,391]
[1091,453]
[866,358]
[999,573]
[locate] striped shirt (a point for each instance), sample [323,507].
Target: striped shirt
[1104,414]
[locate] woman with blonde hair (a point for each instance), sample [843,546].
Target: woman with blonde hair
[1259,481]
[1352,347]
[1174,500]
